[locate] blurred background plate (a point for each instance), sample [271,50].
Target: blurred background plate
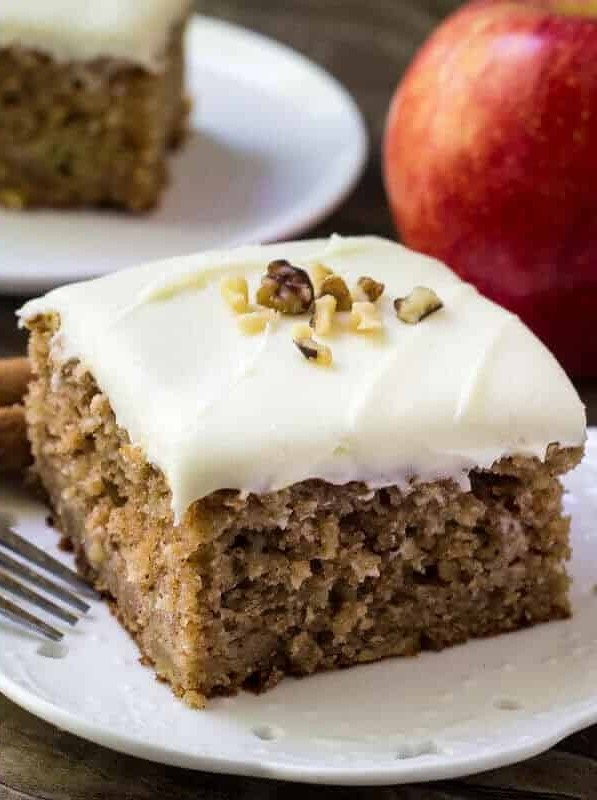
[276,144]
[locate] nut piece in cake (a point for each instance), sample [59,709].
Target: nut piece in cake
[365,317]
[311,350]
[235,292]
[369,289]
[286,288]
[336,286]
[418,305]
[322,321]
[319,272]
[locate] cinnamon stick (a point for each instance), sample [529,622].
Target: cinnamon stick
[14,376]
[15,454]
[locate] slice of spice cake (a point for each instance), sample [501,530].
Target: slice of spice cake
[282,459]
[91,99]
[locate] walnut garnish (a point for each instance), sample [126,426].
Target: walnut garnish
[420,303]
[235,292]
[323,317]
[286,288]
[369,289]
[312,350]
[336,286]
[319,273]
[256,321]
[365,317]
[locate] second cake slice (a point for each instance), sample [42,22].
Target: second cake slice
[91,100]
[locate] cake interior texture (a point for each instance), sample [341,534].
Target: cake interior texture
[90,133]
[247,589]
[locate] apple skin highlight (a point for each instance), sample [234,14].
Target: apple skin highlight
[490,162]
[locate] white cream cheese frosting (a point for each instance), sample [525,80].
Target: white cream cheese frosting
[81,30]
[214,408]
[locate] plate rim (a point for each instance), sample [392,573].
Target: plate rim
[297,220]
[277,769]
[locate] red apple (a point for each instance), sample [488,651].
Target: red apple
[490,161]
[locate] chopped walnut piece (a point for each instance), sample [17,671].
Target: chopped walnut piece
[319,273]
[286,288]
[369,289]
[323,316]
[96,555]
[235,292]
[256,321]
[312,350]
[366,317]
[336,286]
[420,303]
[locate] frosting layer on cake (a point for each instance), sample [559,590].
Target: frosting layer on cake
[215,408]
[70,30]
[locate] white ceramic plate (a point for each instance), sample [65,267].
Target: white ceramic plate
[474,707]
[276,144]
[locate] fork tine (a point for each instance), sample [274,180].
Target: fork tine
[32,553]
[24,618]
[23,571]
[22,591]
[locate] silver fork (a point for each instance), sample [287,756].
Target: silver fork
[16,574]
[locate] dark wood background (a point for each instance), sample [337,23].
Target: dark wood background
[367,45]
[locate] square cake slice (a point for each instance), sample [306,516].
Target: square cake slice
[283,459]
[91,100]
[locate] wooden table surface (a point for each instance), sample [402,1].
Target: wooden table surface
[366,45]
